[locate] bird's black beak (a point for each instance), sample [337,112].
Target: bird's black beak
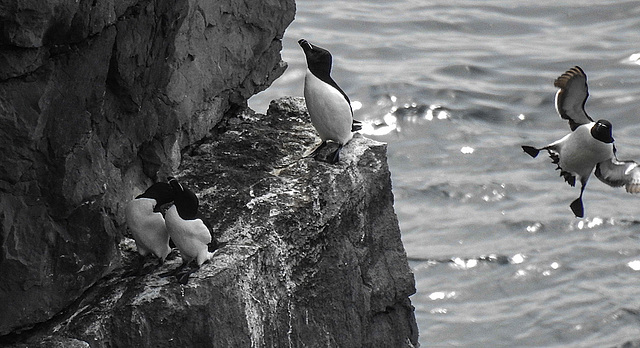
[305,44]
[177,187]
[163,208]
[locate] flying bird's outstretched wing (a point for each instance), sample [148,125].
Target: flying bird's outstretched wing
[572,96]
[620,173]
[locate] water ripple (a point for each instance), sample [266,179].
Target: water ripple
[455,87]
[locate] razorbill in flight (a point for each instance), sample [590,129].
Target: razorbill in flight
[189,234]
[328,105]
[146,223]
[588,146]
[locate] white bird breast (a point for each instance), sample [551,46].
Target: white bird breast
[330,113]
[190,236]
[581,152]
[147,227]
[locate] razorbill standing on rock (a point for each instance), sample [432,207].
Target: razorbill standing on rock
[589,145]
[189,234]
[328,105]
[145,220]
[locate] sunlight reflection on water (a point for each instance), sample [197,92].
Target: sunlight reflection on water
[454,88]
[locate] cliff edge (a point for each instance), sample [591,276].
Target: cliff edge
[99,99]
[313,255]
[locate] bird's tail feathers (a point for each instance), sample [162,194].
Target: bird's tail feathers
[568,177]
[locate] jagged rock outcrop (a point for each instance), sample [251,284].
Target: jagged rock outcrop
[97,99]
[314,256]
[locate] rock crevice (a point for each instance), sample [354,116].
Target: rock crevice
[97,100]
[313,255]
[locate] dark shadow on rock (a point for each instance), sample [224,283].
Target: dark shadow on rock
[313,255]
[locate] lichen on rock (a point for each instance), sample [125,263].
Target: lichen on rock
[313,255]
[97,100]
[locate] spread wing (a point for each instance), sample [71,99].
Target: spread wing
[620,173]
[572,96]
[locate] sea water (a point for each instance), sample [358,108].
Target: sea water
[455,87]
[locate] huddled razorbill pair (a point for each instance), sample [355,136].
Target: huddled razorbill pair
[151,230]
[588,146]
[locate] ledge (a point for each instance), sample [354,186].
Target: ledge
[313,255]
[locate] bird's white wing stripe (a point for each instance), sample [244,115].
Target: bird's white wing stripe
[630,168]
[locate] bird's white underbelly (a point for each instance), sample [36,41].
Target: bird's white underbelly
[190,236]
[581,152]
[147,227]
[329,111]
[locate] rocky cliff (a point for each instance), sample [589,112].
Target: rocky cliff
[313,255]
[97,100]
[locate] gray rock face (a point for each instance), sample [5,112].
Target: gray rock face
[314,256]
[97,99]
